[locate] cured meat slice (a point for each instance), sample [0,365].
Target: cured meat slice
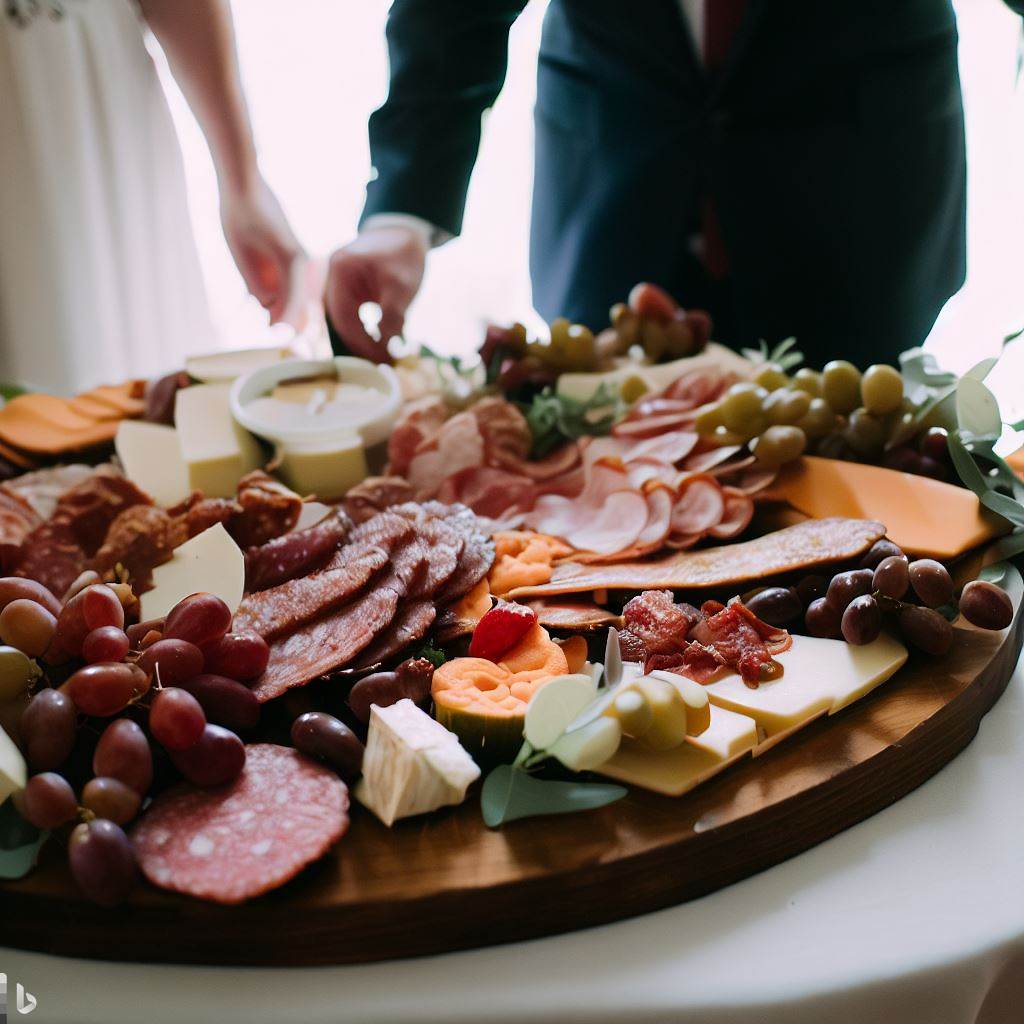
[704,462]
[139,539]
[411,624]
[420,421]
[506,434]
[52,556]
[661,625]
[477,555]
[573,616]
[241,840]
[329,643]
[739,510]
[295,554]
[489,491]
[806,545]
[457,445]
[268,509]
[375,494]
[386,530]
[699,507]
[740,639]
[43,488]
[283,609]
[17,520]
[203,513]
[90,507]
[444,546]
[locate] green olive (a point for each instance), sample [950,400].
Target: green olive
[709,418]
[742,408]
[779,445]
[634,387]
[840,385]
[786,405]
[819,419]
[865,433]
[882,389]
[771,377]
[808,380]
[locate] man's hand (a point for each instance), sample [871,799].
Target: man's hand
[382,265]
[266,252]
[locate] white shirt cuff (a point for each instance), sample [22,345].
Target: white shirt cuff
[432,235]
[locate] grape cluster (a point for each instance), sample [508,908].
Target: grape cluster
[837,412]
[852,605]
[177,682]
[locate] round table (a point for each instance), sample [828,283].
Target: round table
[916,915]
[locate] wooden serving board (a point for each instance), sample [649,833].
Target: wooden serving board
[445,881]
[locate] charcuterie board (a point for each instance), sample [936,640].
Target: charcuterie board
[447,882]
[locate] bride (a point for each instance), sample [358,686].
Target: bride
[99,276]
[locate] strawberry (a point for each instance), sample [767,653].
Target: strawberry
[500,629]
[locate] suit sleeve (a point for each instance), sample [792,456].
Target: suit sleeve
[448,62]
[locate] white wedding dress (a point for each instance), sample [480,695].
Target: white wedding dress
[99,276]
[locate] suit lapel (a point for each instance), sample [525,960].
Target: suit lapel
[737,51]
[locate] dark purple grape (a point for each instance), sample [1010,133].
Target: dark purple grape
[824,620]
[111,799]
[49,801]
[925,629]
[48,728]
[934,444]
[848,585]
[123,753]
[810,588]
[225,701]
[325,738]
[411,679]
[862,621]
[878,552]
[102,861]
[218,758]
[931,582]
[891,577]
[778,606]
[176,719]
[932,468]
[902,459]
[985,605]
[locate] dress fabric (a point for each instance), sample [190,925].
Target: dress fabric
[99,275]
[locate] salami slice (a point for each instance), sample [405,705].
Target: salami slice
[375,494]
[241,840]
[444,546]
[295,554]
[477,555]
[329,643]
[411,624]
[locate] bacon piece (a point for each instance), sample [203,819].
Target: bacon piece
[739,638]
[329,643]
[375,494]
[661,625]
[283,609]
[695,661]
[295,554]
[268,509]
[410,625]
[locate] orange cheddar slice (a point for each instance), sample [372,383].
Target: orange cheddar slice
[48,425]
[925,517]
[1016,461]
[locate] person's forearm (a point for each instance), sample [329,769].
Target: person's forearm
[198,38]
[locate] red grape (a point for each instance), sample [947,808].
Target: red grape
[241,656]
[27,625]
[102,861]
[106,688]
[14,587]
[177,660]
[325,738]
[217,758]
[225,701]
[49,801]
[111,799]
[48,728]
[80,582]
[88,610]
[123,753]
[108,643]
[176,719]
[648,300]
[201,619]
[823,619]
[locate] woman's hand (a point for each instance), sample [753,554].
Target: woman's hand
[266,251]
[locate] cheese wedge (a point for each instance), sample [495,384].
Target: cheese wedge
[412,764]
[13,771]
[925,517]
[728,737]
[217,451]
[210,562]
[151,456]
[820,677]
[327,470]
[223,367]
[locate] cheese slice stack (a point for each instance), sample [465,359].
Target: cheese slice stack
[13,772]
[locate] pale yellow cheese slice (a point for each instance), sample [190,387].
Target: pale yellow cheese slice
[151,456]
[211,562]
[13,772]
[924,517]
[328,470]
[728,737]
[221,367]
[217,451]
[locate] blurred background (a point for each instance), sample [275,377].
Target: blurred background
[315,69]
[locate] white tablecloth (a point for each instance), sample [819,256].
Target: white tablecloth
[915,916]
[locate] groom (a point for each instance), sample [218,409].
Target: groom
[794,166]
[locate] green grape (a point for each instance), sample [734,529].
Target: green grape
[771,377]
[808,380]
[742,408]
[865,433]
[819,419]
[881,389]
[840,386]
[709,419]
[786,406]
[779,445]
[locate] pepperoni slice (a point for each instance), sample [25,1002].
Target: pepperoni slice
[241,840]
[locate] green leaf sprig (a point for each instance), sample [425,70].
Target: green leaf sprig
[784,354]
[555,419]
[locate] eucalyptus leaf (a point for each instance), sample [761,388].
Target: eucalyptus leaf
[966,467]
[1004,506]
[979,371]
[977,410]
[1011,546]
[20,843]
[509,794]
[996,572]
[1019,425]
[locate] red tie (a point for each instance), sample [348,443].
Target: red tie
[722,19]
